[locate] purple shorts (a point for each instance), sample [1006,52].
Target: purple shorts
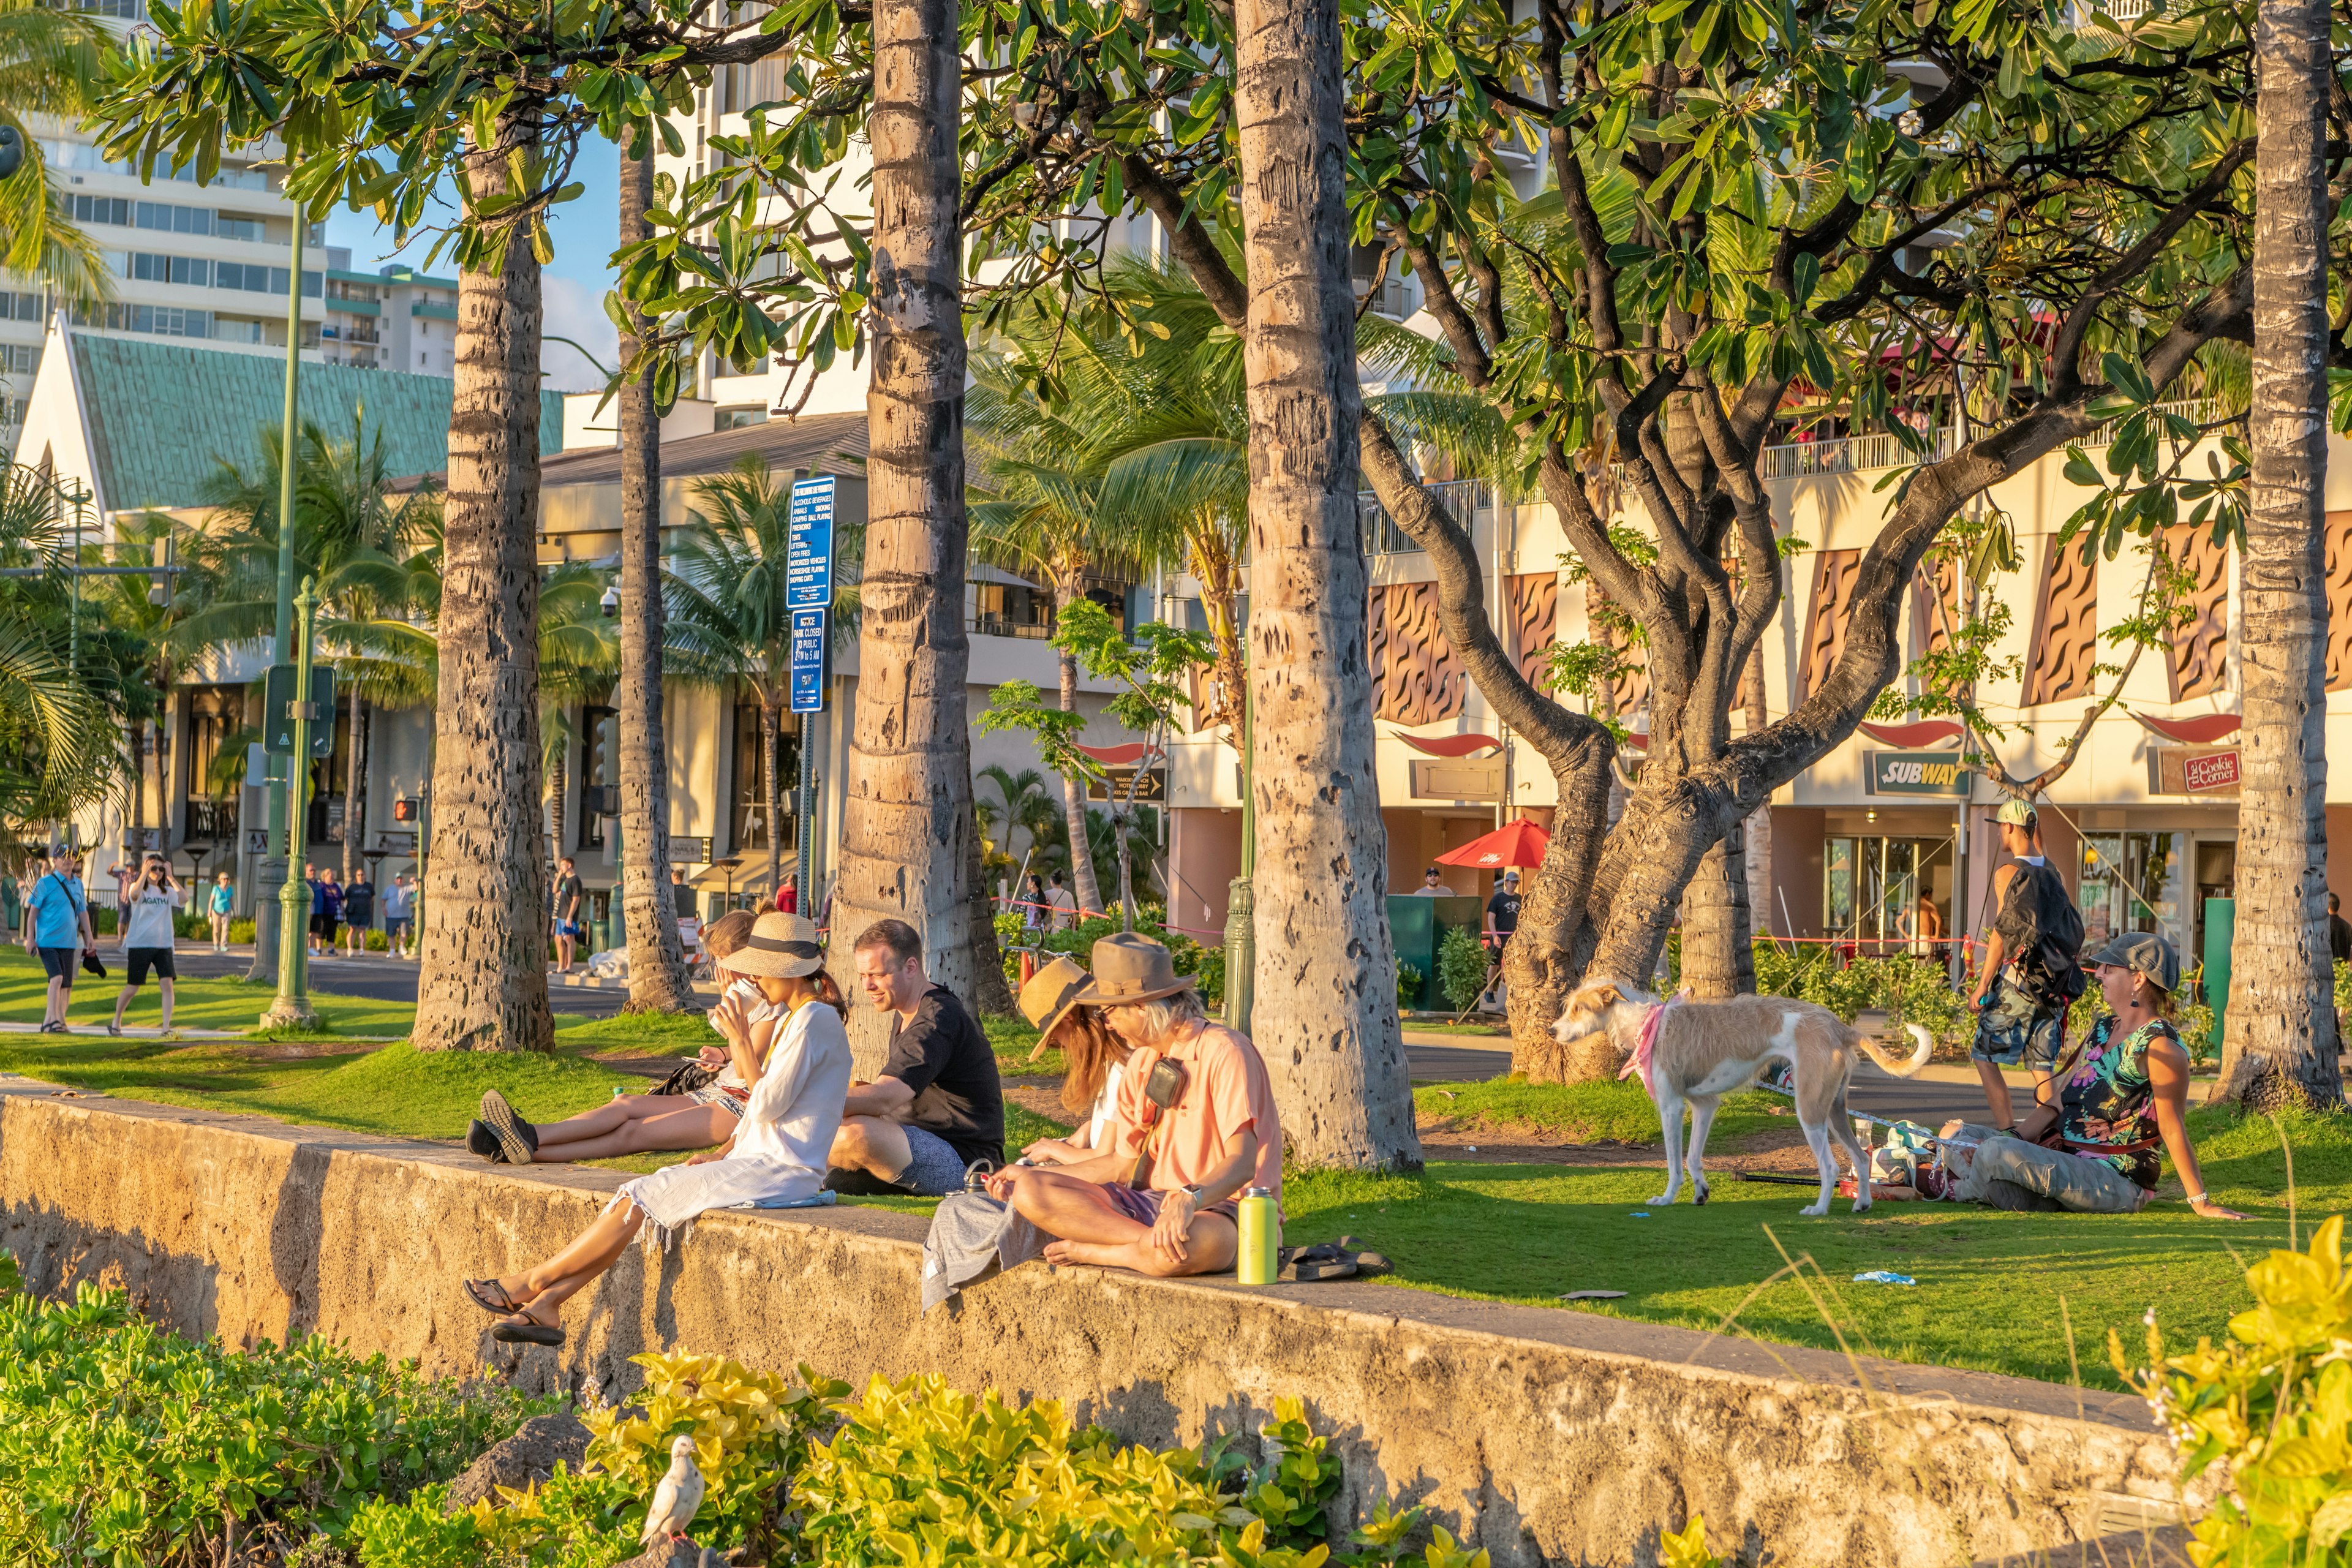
[1143,1207]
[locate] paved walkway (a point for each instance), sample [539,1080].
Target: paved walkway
[130,1031]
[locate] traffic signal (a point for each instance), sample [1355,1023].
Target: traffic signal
[407,808]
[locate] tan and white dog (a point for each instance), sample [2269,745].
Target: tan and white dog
[1697,1052]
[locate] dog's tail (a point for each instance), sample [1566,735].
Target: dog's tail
[1918,1058]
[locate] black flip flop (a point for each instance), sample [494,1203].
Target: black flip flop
[518,1138]
[505,1306]
[522,1331]
[1366,1262]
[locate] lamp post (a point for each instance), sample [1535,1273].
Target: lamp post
[1241,909]
[293,1004]
[277,870]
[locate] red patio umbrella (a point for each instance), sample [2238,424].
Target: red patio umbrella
[1520,843]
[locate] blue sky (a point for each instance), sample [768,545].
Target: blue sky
[574,285]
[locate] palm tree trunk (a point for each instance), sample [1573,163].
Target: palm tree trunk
[482,984]
[2279,1042]
[136,829]
[910,846]
[1326,1015]
[771,731]
[657,978]
[559,779]
[1759,821]
[1083,884]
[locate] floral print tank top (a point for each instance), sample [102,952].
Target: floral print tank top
[2108,1098]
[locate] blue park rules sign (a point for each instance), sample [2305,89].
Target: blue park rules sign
[1917,773]
[808,586]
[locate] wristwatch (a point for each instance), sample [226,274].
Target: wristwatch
[1192,1191]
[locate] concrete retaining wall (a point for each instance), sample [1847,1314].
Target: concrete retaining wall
[1542,1436]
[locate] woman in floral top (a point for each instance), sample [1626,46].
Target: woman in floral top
[2125,1096]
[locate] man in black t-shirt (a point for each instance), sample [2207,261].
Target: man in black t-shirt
[2339,932]
[938,1104]
[1503,912]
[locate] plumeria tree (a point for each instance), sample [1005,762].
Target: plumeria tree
[1153,673]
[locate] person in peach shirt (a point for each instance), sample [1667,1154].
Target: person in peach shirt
[1195,1128]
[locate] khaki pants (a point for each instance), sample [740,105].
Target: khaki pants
[2011,1173]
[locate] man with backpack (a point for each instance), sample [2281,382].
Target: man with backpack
[2033,968]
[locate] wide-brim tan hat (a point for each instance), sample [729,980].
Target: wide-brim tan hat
[1130,968]
[781,946]
[1049,995]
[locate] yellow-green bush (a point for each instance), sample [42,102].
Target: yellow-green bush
[2269,1413]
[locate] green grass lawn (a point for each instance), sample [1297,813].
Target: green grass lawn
[1996,1291]
[1584,1112]
[197,1004]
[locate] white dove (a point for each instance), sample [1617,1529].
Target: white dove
[676,1499]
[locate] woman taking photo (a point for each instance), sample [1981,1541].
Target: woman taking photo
[775,1157]
[1096,1056]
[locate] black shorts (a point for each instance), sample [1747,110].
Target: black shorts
[142,959]
[61,963]
[323,927]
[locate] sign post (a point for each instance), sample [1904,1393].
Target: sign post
[808,600]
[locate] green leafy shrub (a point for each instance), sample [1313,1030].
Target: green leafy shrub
[2343,986]
[240,930]
[752,1431]
[192,927]
[121,1443]
[1917,990]
[918,1462]
[1461,967]
[1078,941]
[102,922]
[2272,1412]
[1409,983]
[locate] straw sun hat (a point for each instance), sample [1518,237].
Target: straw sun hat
[1048,997]
[781,946]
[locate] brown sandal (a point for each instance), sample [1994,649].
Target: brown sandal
[492,1297]
[522,1329]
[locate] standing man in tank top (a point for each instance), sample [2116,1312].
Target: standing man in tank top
[2033,968]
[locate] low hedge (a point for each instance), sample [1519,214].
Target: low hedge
[124,1444]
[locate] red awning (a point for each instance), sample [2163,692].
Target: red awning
[2202,731]
[1912,736]
[1120,756]
[1520,843]
[1454,746]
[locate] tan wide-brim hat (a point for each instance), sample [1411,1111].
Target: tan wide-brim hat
[781,946]
[1131,968]
[1049,995]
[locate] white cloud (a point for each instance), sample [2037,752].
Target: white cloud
[575,310]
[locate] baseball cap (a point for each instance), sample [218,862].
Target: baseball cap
[2143,953]
[1432,871]
[2014,813]
[1512,875]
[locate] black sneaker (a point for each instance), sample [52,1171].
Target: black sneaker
[517,1140]
[481,1141]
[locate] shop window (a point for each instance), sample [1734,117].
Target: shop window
[2131,881]
[1889,895]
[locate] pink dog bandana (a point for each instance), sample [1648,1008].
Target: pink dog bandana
[1639,1062]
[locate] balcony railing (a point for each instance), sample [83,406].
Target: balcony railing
[1856,454]
[210,822]
[1461,499]
[1001,626]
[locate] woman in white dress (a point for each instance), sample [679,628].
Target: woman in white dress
[776,1156]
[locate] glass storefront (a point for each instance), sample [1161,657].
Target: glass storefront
[1889,895]
[2133,881]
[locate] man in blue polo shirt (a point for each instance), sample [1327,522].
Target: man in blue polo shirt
[59,930]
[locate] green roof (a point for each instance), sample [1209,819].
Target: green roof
[161,414]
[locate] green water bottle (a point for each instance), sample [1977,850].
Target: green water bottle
[1261,1226]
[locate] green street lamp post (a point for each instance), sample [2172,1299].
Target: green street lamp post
[277,870]
[293,1004]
